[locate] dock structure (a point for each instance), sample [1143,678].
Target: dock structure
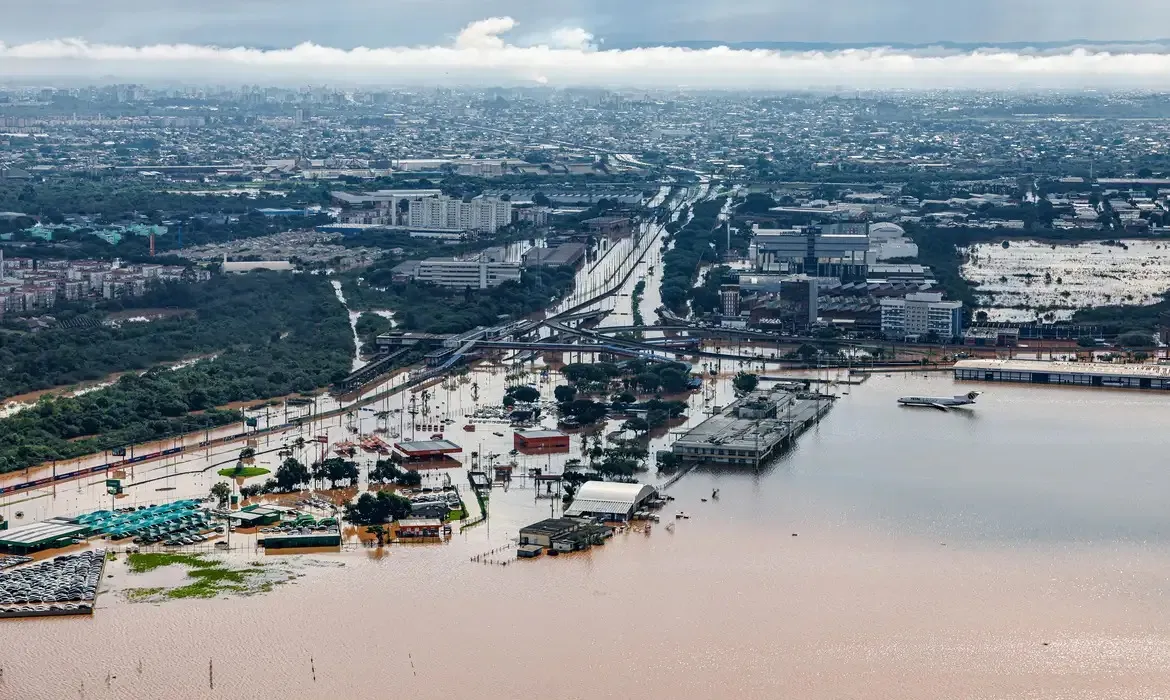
[1090,374]
[753,429]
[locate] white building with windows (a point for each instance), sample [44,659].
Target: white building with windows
[810,251]
[918,315]
[476,274]
[442,213]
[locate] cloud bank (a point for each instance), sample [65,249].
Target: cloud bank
[481,55]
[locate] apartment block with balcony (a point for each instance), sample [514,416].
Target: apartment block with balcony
[920,315]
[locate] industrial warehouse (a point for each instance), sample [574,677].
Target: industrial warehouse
[754,428]
[609,501]
[1065,373]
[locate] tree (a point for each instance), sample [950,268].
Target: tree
[247,453]
[1087,341]
[1135,339]
[624,397]
[636,425]
[377,509]
[668,461]
[647,381]
[409,479]
[222,493]
[336,469]
[525,394]
[673,381]
[584,410]
[291,475]
[385,471]
[745,382]
[565,393]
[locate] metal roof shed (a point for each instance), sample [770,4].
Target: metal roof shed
[609,500]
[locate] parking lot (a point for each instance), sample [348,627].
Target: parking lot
[64,585]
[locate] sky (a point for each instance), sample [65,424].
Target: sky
[350,23]
[587,42]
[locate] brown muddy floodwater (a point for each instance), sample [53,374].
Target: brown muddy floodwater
[1019,550]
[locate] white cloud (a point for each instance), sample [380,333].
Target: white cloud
[484,34]
[570,56]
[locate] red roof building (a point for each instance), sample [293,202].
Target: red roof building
[541,441]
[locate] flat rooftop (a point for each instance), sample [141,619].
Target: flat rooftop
[730,432]
[427,446]
[47,531]
[299,536]
[247,516]
[420,522]
[1100,369]
[551,526]
[540,434]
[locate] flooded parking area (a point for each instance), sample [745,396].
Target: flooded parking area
[1030,279]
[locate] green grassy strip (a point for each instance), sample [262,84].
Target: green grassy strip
[246,472]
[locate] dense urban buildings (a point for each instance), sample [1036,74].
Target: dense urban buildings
[28,285]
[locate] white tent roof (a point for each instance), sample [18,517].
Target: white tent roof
[608,497]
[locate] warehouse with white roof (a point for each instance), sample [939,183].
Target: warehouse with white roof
[609,500]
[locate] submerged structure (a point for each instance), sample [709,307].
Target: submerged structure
[1091,374]
[754,428]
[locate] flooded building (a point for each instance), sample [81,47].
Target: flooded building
[609,501]
[543,533]
[421,451]
[540,441]
[1091,374]
[751,430]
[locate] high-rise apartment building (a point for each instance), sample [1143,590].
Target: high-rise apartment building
[443,213]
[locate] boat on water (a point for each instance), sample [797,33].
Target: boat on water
[942,403]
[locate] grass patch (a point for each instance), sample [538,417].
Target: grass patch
[456,515]
[245,472]
[211,582]
[141,562]
[210,577]
[138,594]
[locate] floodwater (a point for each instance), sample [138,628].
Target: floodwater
[1027,275]
[1019,549]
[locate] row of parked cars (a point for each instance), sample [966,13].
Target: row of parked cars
[190,534]
[7,561]
[65,579]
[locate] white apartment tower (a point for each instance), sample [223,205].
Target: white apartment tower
[920,314]
[443,213]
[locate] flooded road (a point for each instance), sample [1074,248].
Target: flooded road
[1020,549]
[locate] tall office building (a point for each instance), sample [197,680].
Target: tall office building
[729,299]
